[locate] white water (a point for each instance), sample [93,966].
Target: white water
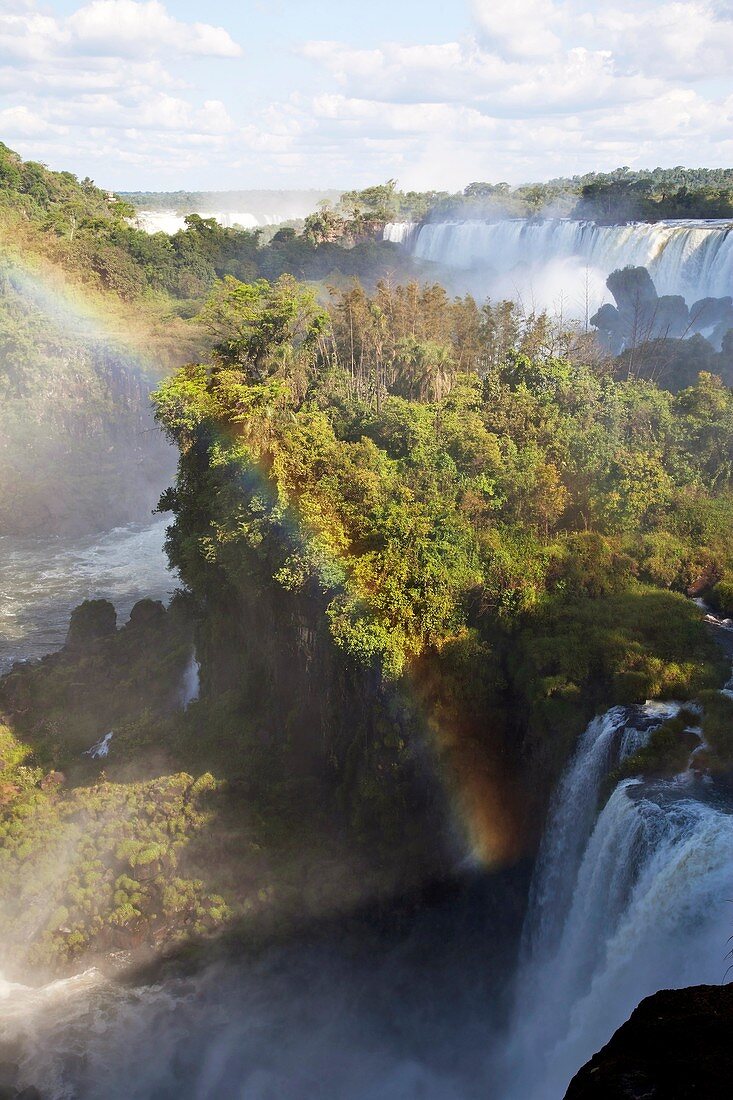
[42,579]
[100,748]
[333,1021]
[636,902]
[609,739]
[190,682]
[170,221]
[545,263]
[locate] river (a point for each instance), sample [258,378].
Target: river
[42,579]
[426,1001]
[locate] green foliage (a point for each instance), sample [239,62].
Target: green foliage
[93,867]
[717,726]
[92,235]
[406,501]
[721,597]
[526,486]
[255,326]
[621,195]
[667,752]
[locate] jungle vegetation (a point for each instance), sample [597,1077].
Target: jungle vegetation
[478,530]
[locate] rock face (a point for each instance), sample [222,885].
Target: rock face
[677,1045]
[91,621]
[641,315]
[80,449]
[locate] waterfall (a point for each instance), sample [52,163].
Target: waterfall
[170,221]
[190,682]
[541,260]
[623,905]
[607,741]
[100,748]
[400,232]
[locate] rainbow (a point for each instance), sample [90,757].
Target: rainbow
[153,340]
[483,799]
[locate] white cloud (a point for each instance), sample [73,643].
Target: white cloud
[101,78]
[681,41]
[22,122]
[578,78]
[140,28]
[531,88]
[559,86]
[522,28]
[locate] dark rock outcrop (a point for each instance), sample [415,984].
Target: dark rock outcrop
[91,621]
[678,1044]
[641,315]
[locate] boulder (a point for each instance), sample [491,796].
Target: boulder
[147,613]
[90,622]
[677,1045]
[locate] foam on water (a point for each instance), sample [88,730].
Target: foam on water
[553,260]
[42,579]
[623,905]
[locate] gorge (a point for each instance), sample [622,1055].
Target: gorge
[392,758]
[623,903]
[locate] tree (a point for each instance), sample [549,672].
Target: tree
[262,326]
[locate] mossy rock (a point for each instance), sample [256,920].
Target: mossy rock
[90,622]
[718,731]
[667,752]
[147,614]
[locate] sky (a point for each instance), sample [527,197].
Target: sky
[182,94]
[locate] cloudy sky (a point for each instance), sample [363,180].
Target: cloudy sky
[163,94]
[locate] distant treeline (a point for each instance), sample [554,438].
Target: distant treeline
[90,232]
[186,202]
[618,196]
[621,195]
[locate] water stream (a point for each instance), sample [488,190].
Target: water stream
[563,263]
[624,903]
[42,579]
[626,899]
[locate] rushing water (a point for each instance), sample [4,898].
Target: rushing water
[351,1013]
[623,904]
[542,262]
[170,221]
[42,579]
[190,681]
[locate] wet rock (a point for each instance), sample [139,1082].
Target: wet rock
[147,613]
[90,622]
[641,315]
[632,288]
[676,1046]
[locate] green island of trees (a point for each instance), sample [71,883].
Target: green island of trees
[423,540]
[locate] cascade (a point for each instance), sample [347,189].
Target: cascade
[622,905]
[608,740]
[170,221]
[540,261]
[190,682]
